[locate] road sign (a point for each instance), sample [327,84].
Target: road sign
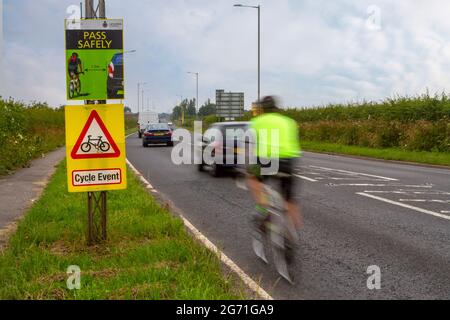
[95,141]
[95,147]
[94,59]
[229,105]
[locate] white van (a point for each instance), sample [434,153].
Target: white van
[146,118]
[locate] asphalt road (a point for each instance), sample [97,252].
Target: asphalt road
[358,213]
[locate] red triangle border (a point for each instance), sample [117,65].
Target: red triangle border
[96,116]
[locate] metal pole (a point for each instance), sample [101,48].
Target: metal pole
[259,53]
[143,103]
[90,222]
[197,91]
[139,88]
[102,9]
[89,7]
[103,216]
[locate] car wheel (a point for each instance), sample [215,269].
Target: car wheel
[170,144]
[201,167]
[145,145]
[140,135]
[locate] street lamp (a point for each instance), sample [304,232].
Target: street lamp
[143,102]
[182,109]
[139,92]
[196,74]
[128,52]
[259,44]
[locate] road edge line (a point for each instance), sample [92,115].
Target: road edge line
[209,245]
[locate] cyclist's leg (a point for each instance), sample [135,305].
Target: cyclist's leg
[256,186]
[287,187]
[254,181]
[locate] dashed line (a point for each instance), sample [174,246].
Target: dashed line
[208,244]
[408,192]
[380,185]
[355,173]
[304,178]
[432,213]
[425,200]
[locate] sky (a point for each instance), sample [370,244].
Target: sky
[313,52]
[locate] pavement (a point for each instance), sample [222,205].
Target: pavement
[358,214]
[19,190]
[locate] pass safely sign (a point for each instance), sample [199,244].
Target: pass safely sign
[95,147]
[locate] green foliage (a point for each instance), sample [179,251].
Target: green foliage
[419,123]
[207,109]
[403,109]
[28,131]
[148,254]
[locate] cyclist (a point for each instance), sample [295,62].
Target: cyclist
[75,67]
[285,149]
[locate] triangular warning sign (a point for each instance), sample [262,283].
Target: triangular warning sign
[95,141]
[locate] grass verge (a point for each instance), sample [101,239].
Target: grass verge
[149,255]
[435,158]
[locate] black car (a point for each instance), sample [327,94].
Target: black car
[114,83]
[229,147]
[157,133]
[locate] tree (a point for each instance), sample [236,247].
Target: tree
[207,109]
[127,109]
[176,113]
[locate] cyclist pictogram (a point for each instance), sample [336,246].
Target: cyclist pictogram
[95,141]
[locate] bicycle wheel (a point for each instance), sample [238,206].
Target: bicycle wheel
[278,241]
[105,146]
[71,90]
[86,147]
[78,90]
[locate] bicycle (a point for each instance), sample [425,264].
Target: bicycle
[275,231]
[74,85]
[99,146]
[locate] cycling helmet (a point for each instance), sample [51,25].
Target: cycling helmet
[268,104]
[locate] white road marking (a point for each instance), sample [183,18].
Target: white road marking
[408,192]
[445,212]
[355,173]
[380,185]
[304,178]
[424,200]
[208,244]
[432,213]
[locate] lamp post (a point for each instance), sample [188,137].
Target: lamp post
[259,44]
[182,109]
[139,92]
[196,74]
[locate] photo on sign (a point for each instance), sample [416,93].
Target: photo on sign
[94,60]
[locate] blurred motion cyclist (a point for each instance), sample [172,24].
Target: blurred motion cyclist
[285,149]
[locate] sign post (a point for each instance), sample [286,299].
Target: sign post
[96,159]
[95,133]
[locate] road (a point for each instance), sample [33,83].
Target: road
[358,213]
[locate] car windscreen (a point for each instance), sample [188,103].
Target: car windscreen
[158,127]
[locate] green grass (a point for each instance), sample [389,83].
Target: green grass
[148,255]
[436,158]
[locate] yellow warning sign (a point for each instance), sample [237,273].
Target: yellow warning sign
[95,148]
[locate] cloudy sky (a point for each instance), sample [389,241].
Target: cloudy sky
[314,52]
